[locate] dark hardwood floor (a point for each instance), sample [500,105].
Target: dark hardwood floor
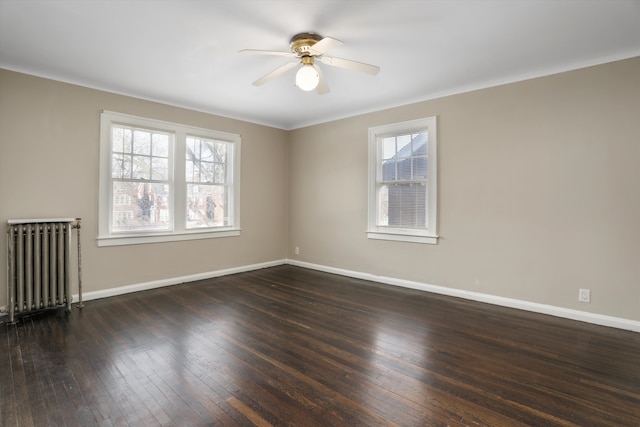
[289,346]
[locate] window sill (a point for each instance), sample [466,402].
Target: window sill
[120,240]
[410,238]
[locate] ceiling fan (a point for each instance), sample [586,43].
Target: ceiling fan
[309,47]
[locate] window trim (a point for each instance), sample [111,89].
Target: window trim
[178,230]
[429,234]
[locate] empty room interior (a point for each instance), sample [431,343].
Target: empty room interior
[320,213]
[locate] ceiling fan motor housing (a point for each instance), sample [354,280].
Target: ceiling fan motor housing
[301,44]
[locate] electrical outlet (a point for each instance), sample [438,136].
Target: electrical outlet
[297,250]
[584,295]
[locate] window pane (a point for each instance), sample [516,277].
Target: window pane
[420,143]
[127,138]
[389,170]
[141,142]
[388,148]
[189,168]
[402,205]
[121,166]
[403,168]
[404,145]
[193,148]
[383,205]
[160,170]
[141,167]
[160,145]
[139,207]
[221,152]
[200,166]
[220,174]
[206,151]
[206,206]
[117,143]
[116,166]
[206,172]
[420,167]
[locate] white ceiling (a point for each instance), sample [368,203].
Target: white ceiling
[185,52]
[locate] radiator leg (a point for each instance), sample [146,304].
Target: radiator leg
[80,303]
[11,274]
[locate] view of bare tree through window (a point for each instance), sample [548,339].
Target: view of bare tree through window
[140,179]
[206,177]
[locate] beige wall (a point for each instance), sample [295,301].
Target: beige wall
[539,192]
[539,189]
[49,149]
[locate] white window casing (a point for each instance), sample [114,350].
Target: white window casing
[145,195]
[403,181]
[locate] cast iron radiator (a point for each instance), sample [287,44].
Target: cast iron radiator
[39,264]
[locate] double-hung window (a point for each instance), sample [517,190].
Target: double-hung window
[162,181]
[403,181]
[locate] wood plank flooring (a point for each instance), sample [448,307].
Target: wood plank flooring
[286,346]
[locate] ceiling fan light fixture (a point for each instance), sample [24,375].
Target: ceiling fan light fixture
[309,47]
[307,77]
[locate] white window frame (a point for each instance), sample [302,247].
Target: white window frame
[178,202]
[428,234]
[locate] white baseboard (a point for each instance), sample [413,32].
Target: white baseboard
[121,290]
[583,316]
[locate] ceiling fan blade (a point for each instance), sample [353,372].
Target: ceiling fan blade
[324,45]
[266,52]
[275,73]
[323,87]
[350,65]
